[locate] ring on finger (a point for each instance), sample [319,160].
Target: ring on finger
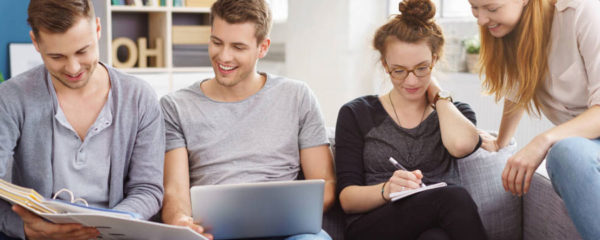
[402,188]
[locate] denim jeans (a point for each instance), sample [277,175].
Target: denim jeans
[322,235]
[573,165]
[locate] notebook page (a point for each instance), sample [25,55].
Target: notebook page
[399,195]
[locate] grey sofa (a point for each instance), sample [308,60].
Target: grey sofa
[538,215]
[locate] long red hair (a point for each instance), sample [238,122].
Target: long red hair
[517,63]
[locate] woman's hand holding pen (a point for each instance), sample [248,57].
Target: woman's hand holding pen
[403,180]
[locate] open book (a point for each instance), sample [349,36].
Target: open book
[34,202]
[111,224]
[399,195]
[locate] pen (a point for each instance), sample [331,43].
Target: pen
[398,166]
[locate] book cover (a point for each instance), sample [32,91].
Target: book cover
[177,3]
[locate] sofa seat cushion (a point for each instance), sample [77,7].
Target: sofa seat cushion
[501,212]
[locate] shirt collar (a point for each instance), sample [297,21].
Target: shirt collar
[562,5]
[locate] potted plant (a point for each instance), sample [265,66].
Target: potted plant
[472,46]
[1,77]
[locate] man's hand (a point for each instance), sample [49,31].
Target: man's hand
[38,228]
[187,221]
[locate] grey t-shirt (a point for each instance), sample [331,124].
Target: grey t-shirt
[254,140]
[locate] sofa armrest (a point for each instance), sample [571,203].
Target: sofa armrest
[544,213]
[480,173]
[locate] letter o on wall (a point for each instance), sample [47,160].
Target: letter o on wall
[132,52]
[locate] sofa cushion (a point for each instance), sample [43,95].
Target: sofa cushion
[544,213]
[480,173]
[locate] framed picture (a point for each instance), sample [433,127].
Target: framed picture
[22,57]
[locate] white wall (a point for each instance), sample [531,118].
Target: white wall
[328,46]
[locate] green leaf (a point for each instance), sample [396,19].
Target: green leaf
[472,45]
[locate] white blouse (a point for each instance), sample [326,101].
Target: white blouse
[573,83]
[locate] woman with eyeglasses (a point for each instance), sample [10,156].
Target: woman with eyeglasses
[543,56]
[418,125]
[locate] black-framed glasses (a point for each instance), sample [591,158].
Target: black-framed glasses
[420,71]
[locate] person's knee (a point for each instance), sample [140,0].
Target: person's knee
[456,196]
[434,234]
[570,155]
[322,235]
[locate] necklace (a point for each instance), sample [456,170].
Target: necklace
[396,114]
[409,157]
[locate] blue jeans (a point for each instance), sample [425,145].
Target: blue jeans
[322,235]
[573,165]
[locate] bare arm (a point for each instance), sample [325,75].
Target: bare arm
[519,169]
[459,135]
[359,199]
[585,125]
[508,126]
[317,163]
[177,207]
[177,186]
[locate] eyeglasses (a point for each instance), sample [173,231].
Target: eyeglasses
[402,73]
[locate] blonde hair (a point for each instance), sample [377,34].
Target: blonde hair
[517,63]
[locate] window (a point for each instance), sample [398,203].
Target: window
[445,8]
[279,9]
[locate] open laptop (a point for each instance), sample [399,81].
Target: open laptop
[265,209]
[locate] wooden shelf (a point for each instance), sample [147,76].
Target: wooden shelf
[144,70]
[166,70]
[133,22]
[190,10]
[138,9]
[159,9]
[192,69]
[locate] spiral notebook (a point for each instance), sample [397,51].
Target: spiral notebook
[111,224]
[402,194]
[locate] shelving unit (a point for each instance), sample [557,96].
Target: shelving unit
[154,22]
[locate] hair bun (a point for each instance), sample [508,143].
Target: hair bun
[423,10]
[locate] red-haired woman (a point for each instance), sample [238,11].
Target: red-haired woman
[544,55]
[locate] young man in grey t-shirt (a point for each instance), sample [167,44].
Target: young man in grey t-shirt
[242,125]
